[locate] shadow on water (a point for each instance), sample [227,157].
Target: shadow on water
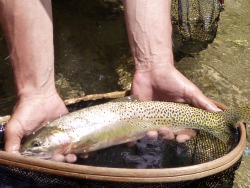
[90,37]
[7,94]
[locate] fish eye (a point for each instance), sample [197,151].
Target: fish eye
[36,143]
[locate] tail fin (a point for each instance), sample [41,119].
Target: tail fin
[235,115]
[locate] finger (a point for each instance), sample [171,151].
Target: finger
[166,133]
[210,106]
[13,136]
[58,158]
[69,158]
[185,135]
[182,138]
[189,132]
[201,101]
[152,135]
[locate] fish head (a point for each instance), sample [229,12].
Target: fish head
[45,143]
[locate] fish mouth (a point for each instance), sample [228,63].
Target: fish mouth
[40,155]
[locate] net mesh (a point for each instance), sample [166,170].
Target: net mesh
[203,148]
[195,24]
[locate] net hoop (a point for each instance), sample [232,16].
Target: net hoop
[125,174]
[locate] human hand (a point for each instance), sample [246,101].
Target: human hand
[163,82]
[31,113]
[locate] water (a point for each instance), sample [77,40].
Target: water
[86,49]
[221,71]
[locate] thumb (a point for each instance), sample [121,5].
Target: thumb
[13,135]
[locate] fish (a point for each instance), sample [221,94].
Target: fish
[101,126]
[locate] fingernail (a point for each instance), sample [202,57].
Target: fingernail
[215,109]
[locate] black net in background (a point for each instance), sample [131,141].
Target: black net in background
[195,24]
[144,154]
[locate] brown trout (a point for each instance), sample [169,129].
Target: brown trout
[113,123]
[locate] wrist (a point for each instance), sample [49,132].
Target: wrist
[153,61]
[30,91]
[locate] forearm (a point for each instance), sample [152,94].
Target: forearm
[27,25]
[150,32]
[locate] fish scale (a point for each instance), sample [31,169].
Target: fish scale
[113,123]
